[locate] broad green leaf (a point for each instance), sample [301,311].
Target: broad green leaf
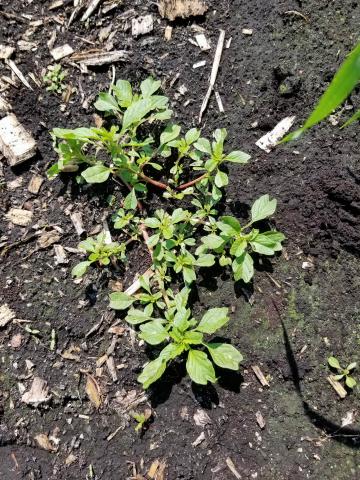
[123,92]
[153,332]
[203,145]
[237,157]
[81,133]
[135,317]
[97,174]
[152,372]
[192,135]
[243,268]
[350,382]
[199,367]
[238,247]
[221,179]
[120,300]
[334,363]
[193,337]
[106,103]
[171,351]
[130,202]
[149,86]
[136,112]
[188,274]
[80,269]
[267,243]
[178,215]
[225,355]
[212,241]
[213,319]
[229,225]
[170,133]
[262,208]
[181,319]
[220,134]
[152,222]
[164,115]
[351,366]
[206,260]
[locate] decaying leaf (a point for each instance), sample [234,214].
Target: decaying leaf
[70,355]
[92,390]
[38,393]
[201,418]
[172,9]
[19,216]
[48,238]
[116,330]
[6,315]
[43,441]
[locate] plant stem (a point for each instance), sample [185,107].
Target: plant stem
[192,182]
[153,182]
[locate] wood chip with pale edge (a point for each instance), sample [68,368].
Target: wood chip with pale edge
[268,141]
[61,52]
[47,239]
[16,143]
[339,389]
[35,184]
[94,58]
[260,420]
[43,441]
[19,216]
[6,51]
[260,376]
[38,393]
[92,390]
[6,315]
[172,9]
[232,468]
[201,418]
[142,25]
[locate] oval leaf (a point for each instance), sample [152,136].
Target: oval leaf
[199,367]
[262,208]
[213,319]
[225,355]
[120,301]
[152,372]
[96,174]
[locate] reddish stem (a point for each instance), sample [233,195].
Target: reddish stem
[193,182]
[153,182]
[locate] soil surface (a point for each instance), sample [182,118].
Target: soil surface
[303,306]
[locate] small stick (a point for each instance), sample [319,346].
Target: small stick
[214,72]
[17,72]
[219,102]
[340,390]
[232,468]
[260,376]
[90,9]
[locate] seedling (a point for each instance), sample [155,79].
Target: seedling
[99,251]
[142,419]
[54,79]
[344,373]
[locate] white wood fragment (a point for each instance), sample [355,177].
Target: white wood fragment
[100,58]
[4,105]
[214,71]
[339,389]
[168,33]
[202,41]
[6,315]
[202,63]
[61,52]
[260,376]
[199,439]
[56,4]
[111,367]
[219,102]
[19,216]
[247,31]
[201,418]
[135,286]
[26,46]
[228,43]
[6,51]
[38,393]
[76,219]
[16,143]
[271,139]
[232,468]
[60,255]
[193,42]
[142,25]
[90,9]
[35,184]
[172,9]
[18,73]
[260,420]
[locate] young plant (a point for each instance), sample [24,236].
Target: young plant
[142,419]
[54,79]
[344,373]
[232,242]
[99,251]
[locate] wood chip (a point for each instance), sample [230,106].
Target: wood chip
[47,239]
[232,468]
[20,217]
[202,63]
[70,459]
[268,141]
[4,105]
[90,9]
[247,31]
[135,286]
[168,33]
[56,4]
[201,418]
[153,469]
[260,420]
[199,440]
[340,390]
[92,390]
[76,219]
[142,25]
[172,9]
[111,367]
[16,143]
[38,393]
[18,73]
[35,184]
[6,315]
[60,255]
[219,102]
[61,52]
[260,376]
[6,51]
[202,41]
[43,441]
[117,330]
[97,58]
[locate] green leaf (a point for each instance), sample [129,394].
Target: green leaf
[351,366]
[205,260]
[262,208]
[135,317]
[221,179]
[229,225]
[170,133]
[193,338]
[149,86]
[136,112]
[97,174]
[238,247]
[153,332]
[152,372]
[123,92]
[350,382]
[237,157]
[334,363]
[243,268]
[106,103]
[171,351]
[212,241]
[213,319]
[163,115]
[352,119]
[188,274]
[225,355]
[203,145]
[130,202]
[178,215]
[199,367]
[120,300]
[152,222]
[80,269]
[192,135]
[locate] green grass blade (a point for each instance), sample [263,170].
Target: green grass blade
[352,119]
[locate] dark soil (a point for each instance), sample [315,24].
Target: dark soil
[288,323]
